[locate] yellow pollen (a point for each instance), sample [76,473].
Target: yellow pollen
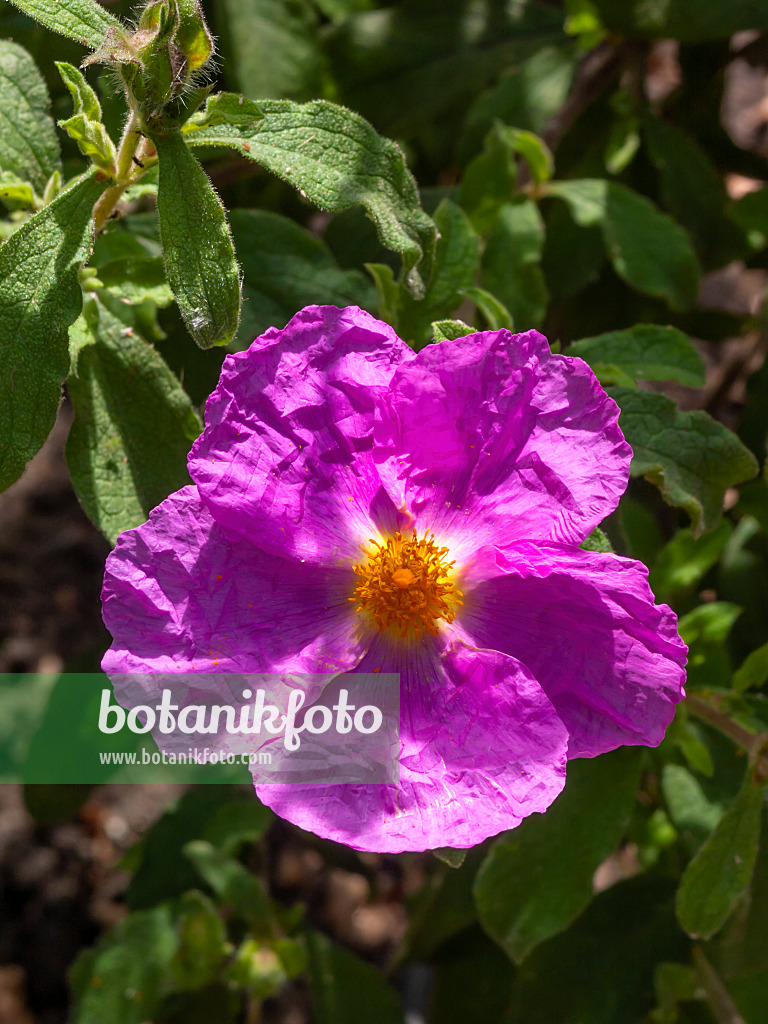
[405,585]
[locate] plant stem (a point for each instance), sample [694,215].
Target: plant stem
[723,1008]
[132,136]
[753,743]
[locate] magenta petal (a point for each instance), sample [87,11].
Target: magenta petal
[285,458]
[181,593]
[482,747]
[493,435]
[586,627]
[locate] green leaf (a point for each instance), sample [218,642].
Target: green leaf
[387,291]
[286,268]
[689,807]
[82,20]
[538,878]
[231,882]
[134,423]
[197,245]
[225,108]
[753,671]
[534,151]
[511,268]
[336,159]
[202,942]
[92,141]
[528,93]
[601,970]
[29,148]
[751,213]
[274,47]
[648,249]
[692,188]
[346,989]
[489,181]
[705,630]
[84,98]
[40,298]
[494,312]
[457,258]
[597,541]
[124,978]
[203,811]
[16,193]
[720,872]
[137,280]
[692,458]
[684,560]
[643,352]
[449,330]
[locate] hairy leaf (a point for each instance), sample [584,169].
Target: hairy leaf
[83,20]
[648,249]
[336,159]
[197,245]
[40,297]
[84,98]
[643,352]
[28,144]
[538,878]
[137,280]
[92,141]
[721,871]
[134,424]
[692,458]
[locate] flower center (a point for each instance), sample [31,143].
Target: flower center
[405,585]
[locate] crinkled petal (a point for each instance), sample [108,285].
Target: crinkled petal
[482,747]
[285,458]
[586,627]
[490,439]
[182,593]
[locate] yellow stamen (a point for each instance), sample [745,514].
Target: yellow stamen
[406,586]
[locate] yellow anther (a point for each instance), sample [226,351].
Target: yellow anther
[405,585]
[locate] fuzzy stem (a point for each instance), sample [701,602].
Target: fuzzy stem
[129,143]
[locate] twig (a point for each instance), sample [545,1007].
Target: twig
[723,1008]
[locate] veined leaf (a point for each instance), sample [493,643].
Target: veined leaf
[643,352]
[84,98]
[336,159]
[82,20]
[40,297]
[197,245]
[28,144]
[134,423]
[692,458]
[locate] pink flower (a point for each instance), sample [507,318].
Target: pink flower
[357,507]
